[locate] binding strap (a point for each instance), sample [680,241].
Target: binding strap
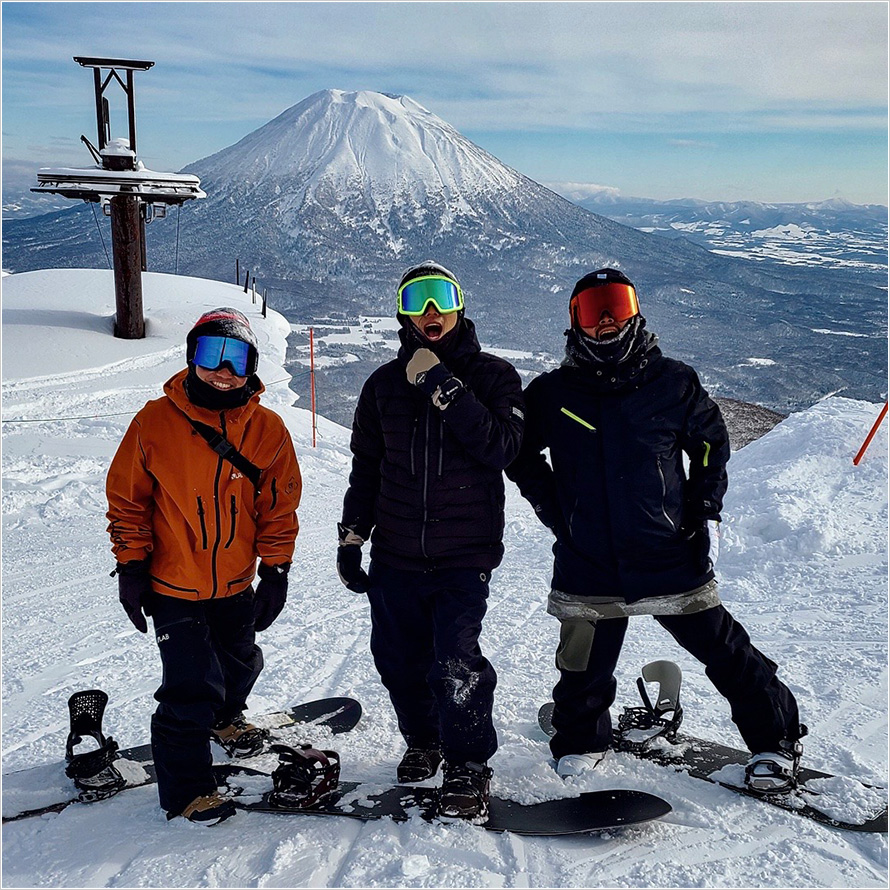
[304,776]
[639,727]
[93,772]
[227,451]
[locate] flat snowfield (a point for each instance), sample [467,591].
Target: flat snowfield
[803,565]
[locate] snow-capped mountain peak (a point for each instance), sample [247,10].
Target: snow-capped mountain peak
[335,143]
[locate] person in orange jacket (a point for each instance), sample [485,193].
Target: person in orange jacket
[205,482]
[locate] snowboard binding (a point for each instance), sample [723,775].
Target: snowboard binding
[639,727]
[304,776]
[93,772]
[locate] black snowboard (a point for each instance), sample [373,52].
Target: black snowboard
[46,788]
[593,811]
[835,801]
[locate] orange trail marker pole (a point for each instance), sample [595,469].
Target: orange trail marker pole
[870,436]
[312,379]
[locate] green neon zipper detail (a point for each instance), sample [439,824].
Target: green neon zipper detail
[579,419]
[707,452]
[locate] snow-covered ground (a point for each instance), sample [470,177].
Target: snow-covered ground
[803,566]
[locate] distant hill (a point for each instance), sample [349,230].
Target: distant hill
[832,234]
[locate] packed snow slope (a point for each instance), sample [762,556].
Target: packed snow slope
[803,565]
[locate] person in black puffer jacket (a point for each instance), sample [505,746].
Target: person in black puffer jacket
[635,532]
[433,431]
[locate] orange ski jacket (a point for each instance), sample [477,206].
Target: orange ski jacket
[199,519]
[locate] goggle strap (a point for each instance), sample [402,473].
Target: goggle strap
[429,295]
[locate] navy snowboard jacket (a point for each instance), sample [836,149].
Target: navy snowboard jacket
[627,517]
[429,482]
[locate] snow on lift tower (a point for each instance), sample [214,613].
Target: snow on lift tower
[128,193]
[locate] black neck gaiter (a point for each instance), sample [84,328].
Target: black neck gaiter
[583,350]
[206,396]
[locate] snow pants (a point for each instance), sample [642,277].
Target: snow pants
[210,662]
[425,630]
[762,707]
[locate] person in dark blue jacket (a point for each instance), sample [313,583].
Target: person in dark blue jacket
[636,533]
[433,431]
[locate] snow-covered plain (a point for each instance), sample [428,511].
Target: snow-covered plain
[803,566]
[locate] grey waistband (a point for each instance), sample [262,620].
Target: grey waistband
[593,608]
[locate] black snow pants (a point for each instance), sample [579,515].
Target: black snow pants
[762,707]
[210,661]
[425,630]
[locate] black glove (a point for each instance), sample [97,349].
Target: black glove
[271,594]
[134,587]
[430,376]
[349,561]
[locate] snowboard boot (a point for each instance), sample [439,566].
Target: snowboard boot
[576,764]
[418,764]
[240,738]
[773,772]
[209,809]
[465,791]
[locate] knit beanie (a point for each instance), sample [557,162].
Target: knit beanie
[224,322]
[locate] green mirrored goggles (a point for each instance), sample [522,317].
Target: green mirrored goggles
[443,293]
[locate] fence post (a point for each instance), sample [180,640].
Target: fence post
[246,280]
[253,292]
[264,302]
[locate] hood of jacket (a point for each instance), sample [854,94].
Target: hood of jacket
[637,363]
[175,390]
[458,345]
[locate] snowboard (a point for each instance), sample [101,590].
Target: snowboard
[831,800]
[46,788]
[592,811]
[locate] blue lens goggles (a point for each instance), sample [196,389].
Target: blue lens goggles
[443,293]
[213,352]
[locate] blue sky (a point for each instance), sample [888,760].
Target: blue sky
[711,100]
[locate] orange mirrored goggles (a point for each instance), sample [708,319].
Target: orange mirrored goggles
[619,300]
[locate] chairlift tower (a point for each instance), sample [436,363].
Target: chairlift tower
[129,194]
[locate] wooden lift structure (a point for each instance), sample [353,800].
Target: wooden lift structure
[129,194]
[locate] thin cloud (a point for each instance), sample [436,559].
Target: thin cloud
[691,143]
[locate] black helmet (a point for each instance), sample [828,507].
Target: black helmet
[427,267]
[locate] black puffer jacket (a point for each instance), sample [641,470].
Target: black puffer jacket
[617,496]
[429,482]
